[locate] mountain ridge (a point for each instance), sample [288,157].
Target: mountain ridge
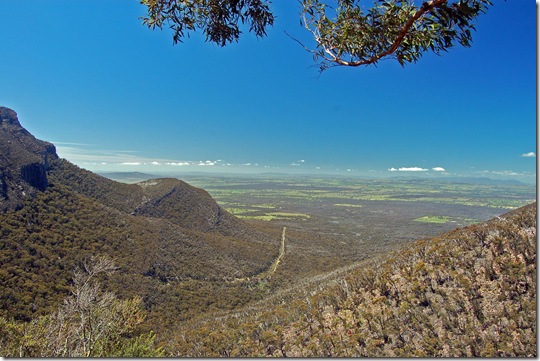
[28,165]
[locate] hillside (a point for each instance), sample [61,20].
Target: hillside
[167,198]
[28,165]
[167,237]
[467,293]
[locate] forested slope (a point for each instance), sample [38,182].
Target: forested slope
[467,293]
[58,229]
[166,237]
[168,198]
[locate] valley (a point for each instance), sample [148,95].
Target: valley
[349,219]
[336,226]
[266,265]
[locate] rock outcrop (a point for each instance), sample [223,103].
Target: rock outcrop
[24,161]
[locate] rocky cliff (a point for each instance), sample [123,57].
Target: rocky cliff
[24,161]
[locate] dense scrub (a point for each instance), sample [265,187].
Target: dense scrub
[176,272]
[193,279]
[468,293]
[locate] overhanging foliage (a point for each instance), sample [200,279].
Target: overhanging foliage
[344,31]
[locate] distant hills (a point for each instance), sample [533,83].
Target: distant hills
[480,180]
[465,180]
[134,177]
[127,177]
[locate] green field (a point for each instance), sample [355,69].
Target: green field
[276,215]
[432,219]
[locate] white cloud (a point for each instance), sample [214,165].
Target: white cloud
[131,163]
[177,163]
[439,169]
[207,163]
[412,169]
[408,169]
[155,163]
[505,172]
[529,155]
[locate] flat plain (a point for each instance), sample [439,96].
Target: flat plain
[350,219]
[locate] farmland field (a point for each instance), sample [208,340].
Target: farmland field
[354,218]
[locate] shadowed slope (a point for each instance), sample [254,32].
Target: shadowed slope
[168,198]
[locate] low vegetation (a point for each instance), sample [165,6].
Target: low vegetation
[159,261]
[468,293]
[89,323]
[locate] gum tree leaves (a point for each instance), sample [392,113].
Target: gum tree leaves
[218,19]
[397,29]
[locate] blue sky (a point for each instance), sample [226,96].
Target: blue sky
[113,95]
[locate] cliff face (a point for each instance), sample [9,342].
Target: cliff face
[24,161]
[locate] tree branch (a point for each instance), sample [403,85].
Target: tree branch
[425,8]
